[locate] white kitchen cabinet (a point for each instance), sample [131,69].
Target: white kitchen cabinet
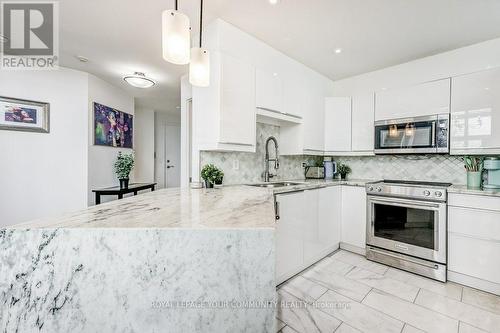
[474,241]
[224,114]
[424,99]
[362,124]
[322,229]
[337,125]
[294,97]
[475,113]
[314,115]
[269,90]
[353,227]
[289,235]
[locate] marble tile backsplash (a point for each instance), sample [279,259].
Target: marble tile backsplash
[252,165]
[442,168]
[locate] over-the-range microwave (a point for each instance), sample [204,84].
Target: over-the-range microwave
[417,135]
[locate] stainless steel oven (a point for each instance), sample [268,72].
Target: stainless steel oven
[406,226]
[423,135]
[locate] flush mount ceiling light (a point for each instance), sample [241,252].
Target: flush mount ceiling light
[176,38]
[139,80]
[199,67]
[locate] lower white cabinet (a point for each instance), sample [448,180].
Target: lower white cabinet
[289,234]
[308,228]
[474,242]
[353,218]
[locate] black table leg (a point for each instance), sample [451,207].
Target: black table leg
[152,188]
[135,192]
[120,196]
[97,198]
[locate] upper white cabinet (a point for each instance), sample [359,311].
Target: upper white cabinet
[224,115]
[421,100]
[337,124]
[269,91]
[475,113]
[362,125]
[314,117]
[354,217]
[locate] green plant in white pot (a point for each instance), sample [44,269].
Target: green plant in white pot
[474,167]
[211,175]
[123,165]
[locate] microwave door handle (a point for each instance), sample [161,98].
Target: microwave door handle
[433,134]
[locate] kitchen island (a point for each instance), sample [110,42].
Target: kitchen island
[174,260]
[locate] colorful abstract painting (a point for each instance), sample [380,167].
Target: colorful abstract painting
[112,127]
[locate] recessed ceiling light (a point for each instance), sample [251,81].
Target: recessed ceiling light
[275,74]
[339,50]
[274,2]
[82,58]
[139,80]
[3,39]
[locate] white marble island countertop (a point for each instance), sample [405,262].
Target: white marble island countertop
[227,207]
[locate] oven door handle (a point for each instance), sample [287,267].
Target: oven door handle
[433,143]
[404,203]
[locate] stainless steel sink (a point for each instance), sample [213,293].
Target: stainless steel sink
[276,184]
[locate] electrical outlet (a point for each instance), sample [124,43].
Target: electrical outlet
[236,164]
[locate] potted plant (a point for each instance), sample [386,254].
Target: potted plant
[123,165]
[211,175]
[474,167]
[343,170]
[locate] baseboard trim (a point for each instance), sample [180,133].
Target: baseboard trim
[353,248]
[474,282]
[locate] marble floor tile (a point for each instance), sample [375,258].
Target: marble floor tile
[304,289]
[466,313]
[466,328]
[288,329]
[481,299]
[279,325]
[336,282]
[360,261]
[334,265]
[416,316]
[411,329]
[394,287]
[302,317]
[344,328]
[358,315]
[448,289]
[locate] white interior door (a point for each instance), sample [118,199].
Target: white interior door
[172,155]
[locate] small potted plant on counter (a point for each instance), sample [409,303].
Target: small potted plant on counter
[211,175]
[343,170]
[123,165]
[218,178]
[474,167]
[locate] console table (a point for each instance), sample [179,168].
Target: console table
[116,190]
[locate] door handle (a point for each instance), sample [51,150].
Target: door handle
[277,210]
[170,166]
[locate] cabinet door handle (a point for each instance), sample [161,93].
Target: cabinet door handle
[277,210]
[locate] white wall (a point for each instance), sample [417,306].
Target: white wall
[186,94]
[144,141]
[101,158]
[41,174]
[464,60]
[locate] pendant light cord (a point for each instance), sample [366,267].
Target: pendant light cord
[201,20]
[176,5]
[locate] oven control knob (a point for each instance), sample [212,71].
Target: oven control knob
[379,189]
[438,194]
[370,188]
[427,193]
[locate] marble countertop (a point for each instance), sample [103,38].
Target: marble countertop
[227,207]
[462,189]
[308,184]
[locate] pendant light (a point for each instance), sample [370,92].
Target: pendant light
[199,67]
[176,37]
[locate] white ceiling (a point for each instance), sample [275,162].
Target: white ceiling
[123,36]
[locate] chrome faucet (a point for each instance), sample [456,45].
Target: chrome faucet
[267,175]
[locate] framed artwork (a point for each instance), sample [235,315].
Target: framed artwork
[23,115]
[112,128]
